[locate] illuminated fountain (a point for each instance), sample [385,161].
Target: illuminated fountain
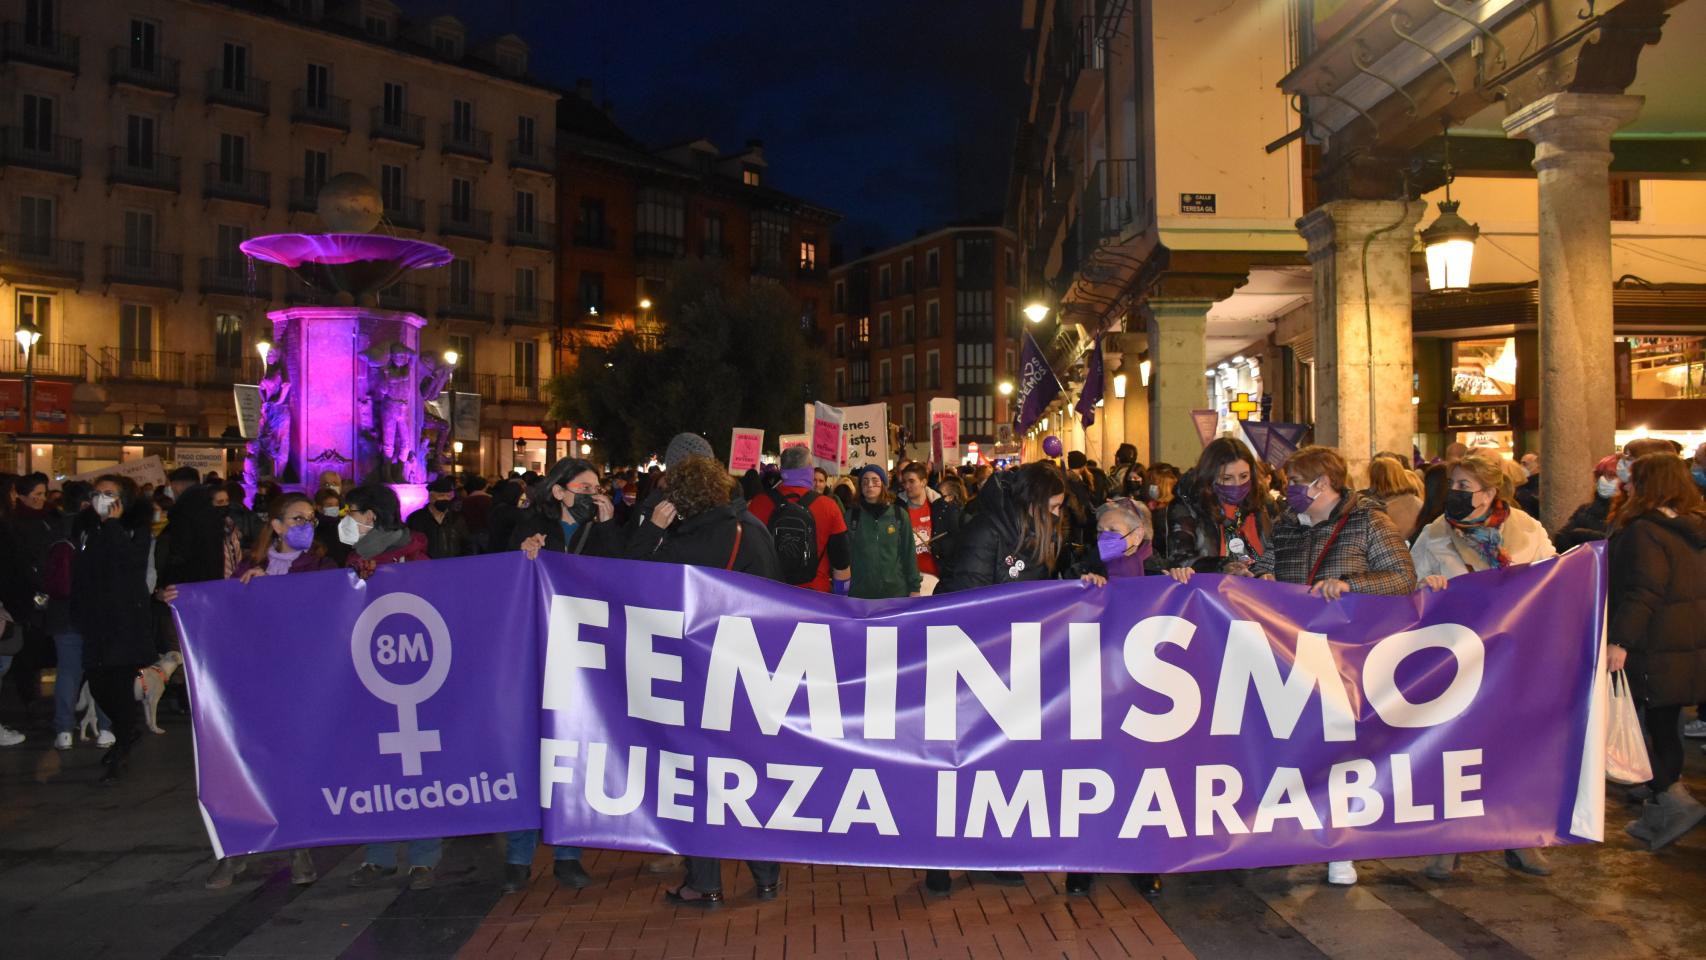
[346,384]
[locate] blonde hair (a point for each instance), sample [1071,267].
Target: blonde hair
[1389,478]
[1488,470]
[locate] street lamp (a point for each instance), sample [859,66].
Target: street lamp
[586,449]
[28,333]
[645,303]
[1036,311]
[1449,241]
[451,357]
[1143,371]
[264,348]
[1006,388]
[1120,380]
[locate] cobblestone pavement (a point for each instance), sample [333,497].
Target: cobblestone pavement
[112,873]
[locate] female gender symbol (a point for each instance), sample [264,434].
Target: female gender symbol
[408,740]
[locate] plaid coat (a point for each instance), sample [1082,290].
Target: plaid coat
[1369,554]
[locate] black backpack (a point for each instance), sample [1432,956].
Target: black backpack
[794,531]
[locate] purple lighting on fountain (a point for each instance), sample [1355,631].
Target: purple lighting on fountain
[356,263]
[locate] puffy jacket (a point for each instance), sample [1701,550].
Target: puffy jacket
[707,539]
[445,538]
[989,549]
[1658,605]
[885,560]
[1194,533]
[1368,552]
[1586,525]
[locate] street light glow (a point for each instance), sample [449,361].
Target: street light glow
[645,303]
[264,348]
[451,356]
[28,333]
[1035,311]
[586,449]
[1006,388]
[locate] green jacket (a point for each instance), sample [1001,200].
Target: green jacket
[884,562]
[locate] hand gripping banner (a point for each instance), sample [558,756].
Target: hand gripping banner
[1147,726]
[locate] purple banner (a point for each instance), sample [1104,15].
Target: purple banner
[1148,726]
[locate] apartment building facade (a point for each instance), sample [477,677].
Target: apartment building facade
[142,141]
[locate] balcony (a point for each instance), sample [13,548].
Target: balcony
[153,171]
[467,142]
[225,182]
[464,305]
[531,155]
[406,213]
[594,237]
[812,270]
[320,111]
[236,276]
[1089,58]
[410,297]
[26,256]
[538,234]
[239,91]
[50,360]
[128,363]
[660,245]
[528,312]
[50,154]
[56,51]
[1111,206]
[404,128]
[717,250]
[304,196]
[454,221]
[209,370]
[131,69]
[508,389]
[144,267]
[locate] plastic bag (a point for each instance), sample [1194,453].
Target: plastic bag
[1626,759]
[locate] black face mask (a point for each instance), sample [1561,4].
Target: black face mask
[441,505]
[1459,504]
[583,509]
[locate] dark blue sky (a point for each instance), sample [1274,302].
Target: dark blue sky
[899,114]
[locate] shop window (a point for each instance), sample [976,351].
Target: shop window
[1667,368]
[1483,370]
[1625,199]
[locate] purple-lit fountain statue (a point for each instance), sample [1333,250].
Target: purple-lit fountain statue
[346,385]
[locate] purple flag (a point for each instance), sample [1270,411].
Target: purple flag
[1038,386]
[1283,441]
[1092,392]
[1148,726]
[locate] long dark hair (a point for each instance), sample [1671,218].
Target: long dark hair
[560,474]
[1215,457]
[1034,484]
[275,511]
[1657,481]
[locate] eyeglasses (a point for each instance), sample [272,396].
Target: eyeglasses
[586,489]
[299,520]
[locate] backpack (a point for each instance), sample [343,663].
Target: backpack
[794,531]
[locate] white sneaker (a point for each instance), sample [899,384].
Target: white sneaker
[62,741]
[106,739]
[10,737]
[1694,729]
[1342,873]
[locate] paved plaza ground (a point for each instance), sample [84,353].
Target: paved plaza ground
[113,873]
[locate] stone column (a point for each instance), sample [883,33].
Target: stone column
[1177,358]
[1360,254]
[1572,156]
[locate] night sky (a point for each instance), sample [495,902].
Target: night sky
[898,114]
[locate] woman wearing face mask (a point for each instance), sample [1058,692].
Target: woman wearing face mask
[569,512]
[1334,543]
[110,608]
[285,544]
[1480,530]
[1224,519]
[879,537]
[329,506]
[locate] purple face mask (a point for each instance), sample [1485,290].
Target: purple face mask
[1297,496]
[1232,494]
[299,537]
[1110,545]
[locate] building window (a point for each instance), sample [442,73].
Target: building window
[524,206]
[36,308]
[974,315]
[228,250]
[808,254]
[750,176]
[907,413]
[136,332]
[661,217]
[462,281]
[526,363]
[841,339]
[974,263]
[41,22]
[977,415]
[378,28]
[974,364]
[462,121]
[1009,275]
[1625,199]
[1012,320]
[227,340]
[393,104]
[840,296]
[885,329]
[1667,368]
[883,382]
[769,241]
[233,157]
[933,370]
[524,135]
[35,215]
[461,199]
[932,268]
[144,46]
[38,123]
[714,246]
[316,165]
[526,287]
[592,293]
[464,347]
[392,185]
[139,233]
[933,319]
[840,386]
[317,89]
[234,68]
[908,333]
[138,142]
[446,46]
[908,373]
[906,278]
[885,282]
[1010,369]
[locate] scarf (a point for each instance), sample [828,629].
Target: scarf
[233,549]
[279,561]
[798,477]
[1487,534]
[379,540]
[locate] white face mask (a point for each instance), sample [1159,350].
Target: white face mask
[331,512]
[1607,487]
[349,531]
[1623,470]
[103,504]
[1154,492]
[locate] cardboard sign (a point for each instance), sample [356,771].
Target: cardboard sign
[202,459]
[788,441]
[745,446]
[144,471]
[824,426]
[945,411]
[866,429]
[936,453]
[247,397]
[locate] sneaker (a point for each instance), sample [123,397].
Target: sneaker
[302,869]
[10,737]
[421,878]
[368,874]
[1342,873]
[224,872]
[570,873]
[515,876]
[106,739]
[62,741]
[1694,729]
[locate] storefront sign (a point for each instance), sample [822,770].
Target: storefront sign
[50,406]
[1196,203]
[1478,416]
[203,459]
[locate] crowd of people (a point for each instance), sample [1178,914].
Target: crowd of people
[88,569]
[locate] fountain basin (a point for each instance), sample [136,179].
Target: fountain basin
[359,264]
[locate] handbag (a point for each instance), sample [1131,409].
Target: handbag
[1626,759]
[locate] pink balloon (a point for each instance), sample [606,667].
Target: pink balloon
[1051,445]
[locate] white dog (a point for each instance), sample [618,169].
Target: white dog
[85,710]
[150,683]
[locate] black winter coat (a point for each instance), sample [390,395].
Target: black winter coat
[590,539]
[109,593]
[445,538]
[1586,525]
[1658,606]
[29,534]
[1194,533]
[707,540]
[989,549]
[192,548]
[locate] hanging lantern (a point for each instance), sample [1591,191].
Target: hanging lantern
[1449,241]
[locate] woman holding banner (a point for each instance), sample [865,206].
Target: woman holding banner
[1334,542]
[1657,556]
[1224,519]
[1480,530]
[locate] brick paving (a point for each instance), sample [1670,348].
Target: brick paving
[842,912]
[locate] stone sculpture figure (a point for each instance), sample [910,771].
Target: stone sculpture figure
[433,455]
[391,384]
[271,444]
